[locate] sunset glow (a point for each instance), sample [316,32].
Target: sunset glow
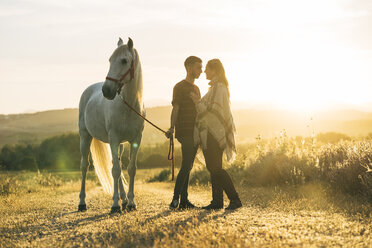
[296,55]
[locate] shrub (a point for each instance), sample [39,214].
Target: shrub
[60,153]
[8,185]
[47,179]
[332,137]
[161,177]
[200,177]
[343,164]
[154,161]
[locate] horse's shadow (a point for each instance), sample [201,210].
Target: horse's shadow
[52,226]
[87,219]
[158,216]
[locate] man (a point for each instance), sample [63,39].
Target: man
[183,120]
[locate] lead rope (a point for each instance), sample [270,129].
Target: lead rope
[171,154]
[171,141]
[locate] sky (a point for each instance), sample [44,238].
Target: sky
[290,54]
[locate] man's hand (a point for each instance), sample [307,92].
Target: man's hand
[194,97]
[170,132]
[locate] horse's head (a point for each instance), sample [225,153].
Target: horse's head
[121,69]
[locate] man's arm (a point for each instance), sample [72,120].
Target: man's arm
[174,117]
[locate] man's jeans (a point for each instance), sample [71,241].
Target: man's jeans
[188,156]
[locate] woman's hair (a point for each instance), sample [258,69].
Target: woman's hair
[216,65]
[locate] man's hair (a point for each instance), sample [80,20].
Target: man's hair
[191,60]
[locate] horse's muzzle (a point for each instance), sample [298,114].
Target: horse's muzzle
[107,93]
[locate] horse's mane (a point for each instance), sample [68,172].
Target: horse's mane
[139,83]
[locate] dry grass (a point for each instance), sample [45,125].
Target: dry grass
[309,215]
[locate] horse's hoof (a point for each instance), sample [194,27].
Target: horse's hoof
[124,206]
[82,208]
[131,208]
[115,210]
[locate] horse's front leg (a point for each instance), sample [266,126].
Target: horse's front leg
[123,194]
[134,146]
[116,172]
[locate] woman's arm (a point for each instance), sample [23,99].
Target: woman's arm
[200,104]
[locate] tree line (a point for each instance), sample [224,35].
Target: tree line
[62,153]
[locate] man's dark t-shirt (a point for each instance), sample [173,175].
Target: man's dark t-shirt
[187,112]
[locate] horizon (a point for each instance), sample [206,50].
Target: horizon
[235,107]
[294,55]
[268,123]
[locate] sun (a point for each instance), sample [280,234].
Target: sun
[300,75]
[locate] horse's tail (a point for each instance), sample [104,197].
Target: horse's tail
[102,161]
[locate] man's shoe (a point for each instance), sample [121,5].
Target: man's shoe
[234,204]
[213,206]
[173,204]
[186,205]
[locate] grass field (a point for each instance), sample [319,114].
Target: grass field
[40,211]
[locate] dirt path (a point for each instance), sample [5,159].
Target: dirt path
[49,219]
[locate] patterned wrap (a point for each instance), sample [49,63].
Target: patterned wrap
[214,116]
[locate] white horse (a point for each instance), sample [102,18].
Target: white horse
[104,118]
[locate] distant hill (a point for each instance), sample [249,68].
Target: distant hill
[269,123]
[33,128]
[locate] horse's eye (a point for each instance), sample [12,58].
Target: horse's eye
[124,61]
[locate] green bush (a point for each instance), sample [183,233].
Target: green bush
[18,157]
[161,177]
[200,177]
[60,153]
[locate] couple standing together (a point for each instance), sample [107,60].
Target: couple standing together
[206,122]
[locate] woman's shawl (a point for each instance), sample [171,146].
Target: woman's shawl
[214,116]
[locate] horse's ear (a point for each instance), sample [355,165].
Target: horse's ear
[130,43]
[120,42]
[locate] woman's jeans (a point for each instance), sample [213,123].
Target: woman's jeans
[220,179]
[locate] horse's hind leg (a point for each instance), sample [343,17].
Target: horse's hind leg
[132,168]
[123,194]
[85,141]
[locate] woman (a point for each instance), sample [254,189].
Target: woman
[214,131]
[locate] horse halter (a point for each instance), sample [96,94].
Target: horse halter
[118,81]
